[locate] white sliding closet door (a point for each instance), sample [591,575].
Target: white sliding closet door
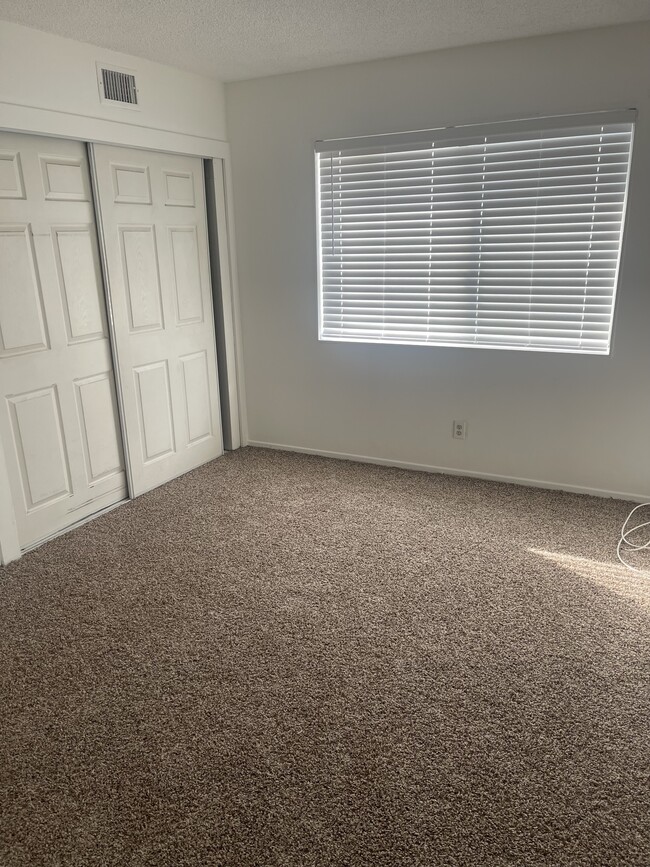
[59,427]
[153,221]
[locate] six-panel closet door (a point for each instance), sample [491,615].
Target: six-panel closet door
[59,426]
[108,371]
[154,229]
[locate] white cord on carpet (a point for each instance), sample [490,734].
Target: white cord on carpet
[625,539]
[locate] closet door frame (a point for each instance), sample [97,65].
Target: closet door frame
[218,177]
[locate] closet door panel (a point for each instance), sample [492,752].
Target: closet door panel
[154,227]
[59,427]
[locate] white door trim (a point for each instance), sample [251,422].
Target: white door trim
[65,124]
[38,121]
[9,545]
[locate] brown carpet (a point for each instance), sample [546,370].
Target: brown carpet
[287,660]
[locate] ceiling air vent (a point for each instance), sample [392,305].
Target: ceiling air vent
[117,86]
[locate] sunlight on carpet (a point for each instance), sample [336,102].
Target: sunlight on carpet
[633,586]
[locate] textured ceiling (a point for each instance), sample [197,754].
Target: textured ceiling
[234,39]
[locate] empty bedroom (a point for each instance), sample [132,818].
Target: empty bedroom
[324,433]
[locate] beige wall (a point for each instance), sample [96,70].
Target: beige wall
[566,420]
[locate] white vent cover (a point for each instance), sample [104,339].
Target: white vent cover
[117,86]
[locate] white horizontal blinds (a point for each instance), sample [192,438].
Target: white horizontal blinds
[509,238]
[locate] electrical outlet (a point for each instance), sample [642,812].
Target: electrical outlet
[460,430]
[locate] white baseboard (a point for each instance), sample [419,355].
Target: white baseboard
[451,471]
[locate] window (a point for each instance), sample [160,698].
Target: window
[503,235]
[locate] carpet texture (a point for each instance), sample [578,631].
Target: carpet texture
[284,660]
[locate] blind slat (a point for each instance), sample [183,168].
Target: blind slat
[505,236]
